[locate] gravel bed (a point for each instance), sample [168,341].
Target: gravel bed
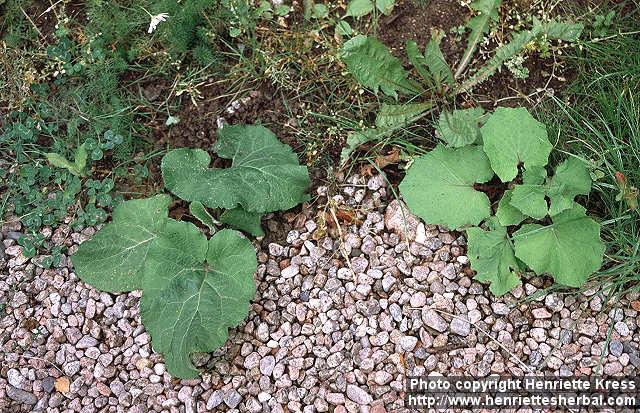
[341,317]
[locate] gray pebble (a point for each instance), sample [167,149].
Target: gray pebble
[358,395]
[70,369]
[86,342]
[460,327]
[622,328]
[21,396]
[267,364]
[408,343]
[232,398]
[14,235]
[215,399]
[500,308]
[48,384]
[387,282]
[432,319]
[616,348]
[14,378]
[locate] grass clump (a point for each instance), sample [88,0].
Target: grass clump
[599,120]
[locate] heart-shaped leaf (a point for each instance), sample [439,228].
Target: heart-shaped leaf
[570,179]
[264,176]
[529,198]
[570,248]
[444,178]
[194,291]
[506,213]
[511,136]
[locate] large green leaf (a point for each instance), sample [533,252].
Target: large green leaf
[375,67]
[461,127]
[571,178]
[385,6]
[506,213]
[114,258]
[359,8]
[569,249]
[194,291]
[439,186]
[491,256]
[512,136]
[529,198]
[246,221]
[264,176]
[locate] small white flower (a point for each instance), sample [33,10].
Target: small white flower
[156,20]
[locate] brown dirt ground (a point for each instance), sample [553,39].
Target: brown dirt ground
[412,22]
[197,127]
